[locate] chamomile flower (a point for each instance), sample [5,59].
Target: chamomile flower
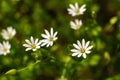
[81,49]
[75,10]
[5,48]
[8,33]
[32,44]
[76,25]
[49,38]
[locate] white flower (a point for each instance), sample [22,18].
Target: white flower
[8,33]
[76,25]
[81,49]
[75,10]
[49,38]
[32,44]
[5,48]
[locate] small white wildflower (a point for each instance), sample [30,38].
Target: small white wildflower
[76,25]
[32,44]
[8,33]
[75,10]
[5,48]
[81,49]
[49,38]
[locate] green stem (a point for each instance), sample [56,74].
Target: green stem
[65,68]
[38,61]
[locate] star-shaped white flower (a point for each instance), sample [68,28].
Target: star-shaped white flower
[81,49]
[8,33]
[5,48]
[49,38]
[32,44]
[76,25]
[75,10]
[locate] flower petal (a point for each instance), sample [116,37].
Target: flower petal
[76,46]
[71,6]
[51,31]
[74,54]
[90,47]
[55,38]
[79,44]
[32,40]
[26,45]
[76,5]
[36,41]
[34,49]
[79,55]
[87,52]
[74,50]
[27,49]
[28,42]
[45,36]
[83,7]
[51,43]
[43,44]
[83,43]
[86,45]
[48,44]
[84,55]
[55,34]
[47,33]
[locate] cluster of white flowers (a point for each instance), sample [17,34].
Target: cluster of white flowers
[7,34]
[81,49]
[49,38]
[75,10]
[32,44]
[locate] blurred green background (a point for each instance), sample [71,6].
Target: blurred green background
[101,25]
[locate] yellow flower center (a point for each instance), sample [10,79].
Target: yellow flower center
[77,27]
[77,11]
[33,46]
[82,50]
[10,35]
[5,49]
[51,39]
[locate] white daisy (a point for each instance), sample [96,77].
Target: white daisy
[32,44]
[81,49]
[5,48]
[75,10]
[8,33]
[76,25]
[49,38]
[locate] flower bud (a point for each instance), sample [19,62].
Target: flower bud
[11,72]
